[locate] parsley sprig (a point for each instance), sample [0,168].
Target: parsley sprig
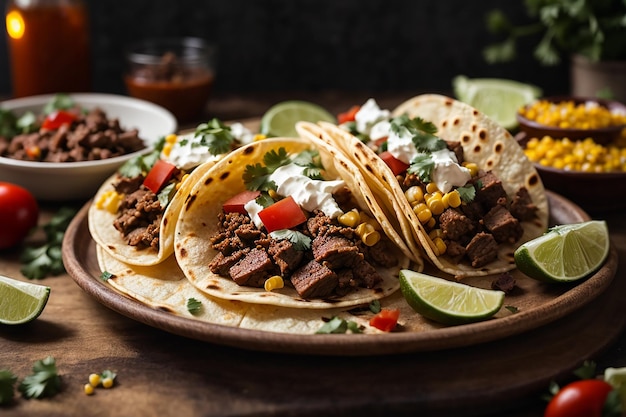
[43,382]
[45,260]
[215,135]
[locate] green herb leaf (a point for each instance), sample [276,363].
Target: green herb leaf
[108,374]
[106,275]
[45,260]
[375,306]
[587,370]
[216,136]
[43,382]
[300,241]
[421,131]
[422,166]
[27,123]
[7,383]
[337,325]
[276,159]
[8,128]
[167,194]
[194,306]
[256,177]
[467,193]
[512,309]
[59,102]
[264,200]
[311,162]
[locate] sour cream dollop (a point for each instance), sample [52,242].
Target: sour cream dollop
[310,194]
[369,115]
[188,152]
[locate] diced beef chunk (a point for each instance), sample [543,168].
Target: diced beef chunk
[221,263]
[482,249]
[336,251]
[490,191]
[505,282]
[127,185]
[366,274]
[455,250]
[473,210]
[455,224]
[285,255]
[504,227]
[314,280]
[253,269]
[522,206]
[380,254]
[457,148]
[236,232]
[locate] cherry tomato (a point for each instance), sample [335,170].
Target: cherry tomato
[584,398]
[236,204]
[57,119]
[19,213]
[396,165]
[284,214]
[348,116]
[160,173]
[386,319]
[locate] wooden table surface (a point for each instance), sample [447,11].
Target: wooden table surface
[161,374]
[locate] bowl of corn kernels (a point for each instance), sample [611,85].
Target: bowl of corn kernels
[578,146]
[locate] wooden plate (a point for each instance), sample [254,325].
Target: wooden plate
[541,304]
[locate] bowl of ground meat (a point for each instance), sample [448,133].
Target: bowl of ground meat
[62,147]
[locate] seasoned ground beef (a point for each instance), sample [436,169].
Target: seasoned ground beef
[336,262]
[139,218]
[91,137]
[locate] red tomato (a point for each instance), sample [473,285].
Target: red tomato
[396,165]
[348,116]
[584,398]
[18,214]
[283,214]
[386,319]
[160,173]
[236,204]
[57,119]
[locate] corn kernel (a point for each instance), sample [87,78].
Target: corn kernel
[88,388]
[94,380]
[171,138]
[473,168]
[431,188]
[370,238]
[423,213]
[452,199]
[350,218]
[414,194]
[258,137]
[274,282]
[436,206]
[440,245]
[107,382]
[109,201]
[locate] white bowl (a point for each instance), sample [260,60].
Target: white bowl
[66,181]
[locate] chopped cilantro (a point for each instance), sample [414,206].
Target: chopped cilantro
[300,241]
[422,132]
[337,325]
[311,162]
[274,160]
[375,306]
[512,309]
[422,166]
[264,200]
[27,123]
[7,382]
[256,178]
[467,193]
[106,275]
[58,102]
[166,194]
[216,136]
[7,123]
[194,306]
[43,382]
[42,261]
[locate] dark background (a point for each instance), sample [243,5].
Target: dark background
[313,45]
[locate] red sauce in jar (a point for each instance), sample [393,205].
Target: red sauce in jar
[49,47]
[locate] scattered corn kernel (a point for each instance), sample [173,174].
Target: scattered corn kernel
[182,180]
[350,218]
[414,194]
[440,245]
[371,238]
[107,382]
[423,212]
[473,168]
[452,199]
[431,223]
[273,283]
[431,188]
[171,138]
[94,380]
[273,194]
[567,114]
[88,388]
[109,201]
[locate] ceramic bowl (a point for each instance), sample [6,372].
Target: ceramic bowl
[601,135]
[68,181]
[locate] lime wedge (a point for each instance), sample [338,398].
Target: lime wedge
[21,302]
[498,98]
[446,301]
[565,253]
[280,120]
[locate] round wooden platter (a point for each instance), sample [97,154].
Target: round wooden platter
[538,304]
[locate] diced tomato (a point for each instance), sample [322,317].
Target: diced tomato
[160,173]
[283,214]
[380,141]
[396,165]
[348,116]
[386,320]
[57,119]
[236,204]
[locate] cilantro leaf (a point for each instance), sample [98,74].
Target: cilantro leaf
[274,160]
[256,177]
[166,194]
[194,306]
[311,162]
[338,325]
[7,381]
[422,166]
[106,275]
[300,240]
[42,261]
[375,306]
[108,374]
[216,136]
[43,382]
[421,131]
[58,102]
[27,123]
[264,200]
[7,123]
[467,193]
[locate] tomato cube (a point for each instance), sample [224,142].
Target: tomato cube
[236,204]
[283,214]
[396,165]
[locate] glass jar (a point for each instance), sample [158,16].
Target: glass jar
[49,46]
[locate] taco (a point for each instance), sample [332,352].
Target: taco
[133,214]
[287,222]
[467,191]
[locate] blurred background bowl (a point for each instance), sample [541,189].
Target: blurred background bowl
[599,135]
[69,181]
[176,73]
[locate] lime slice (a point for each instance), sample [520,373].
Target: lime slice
[21,302]
[565,253]
[280,120]
[446,301]
[500,99]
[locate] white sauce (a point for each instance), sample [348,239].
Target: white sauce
[447,172]
[241,133]
[190,154]
[369,115]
